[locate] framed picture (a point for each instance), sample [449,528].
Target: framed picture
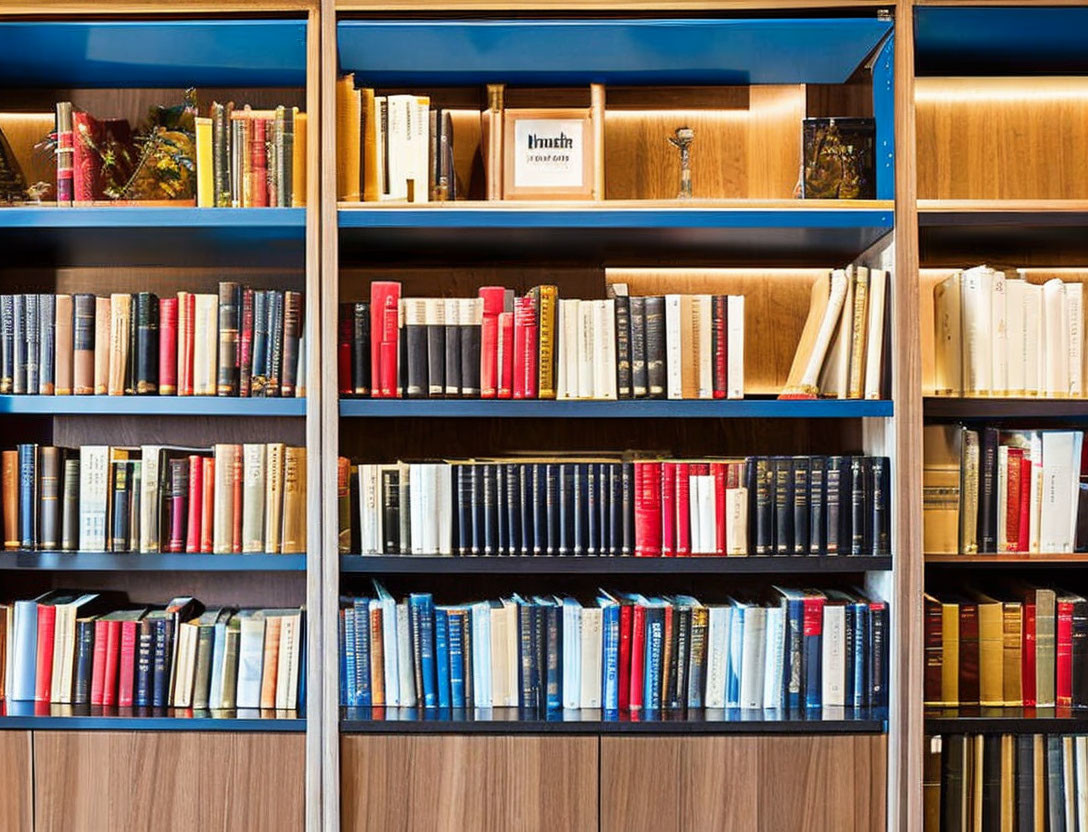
[548,154]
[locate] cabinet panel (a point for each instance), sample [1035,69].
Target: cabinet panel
[16,798]
[97,781]
[468,782]
[807,784]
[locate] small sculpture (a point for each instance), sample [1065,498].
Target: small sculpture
[682,140]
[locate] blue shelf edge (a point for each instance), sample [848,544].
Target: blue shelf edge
[137,562]
[85,718]
[156,216]
[555,565]
[624,409]
[152,406]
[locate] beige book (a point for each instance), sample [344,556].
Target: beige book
[835,375]
[1074,301]
[976,311]
[1008,783]
[205,345]
[287,672]
[736,530]
[1056,341]
[369,165]
[498,657]
[64,354]
[348,137]
[1013,618]
[702,319]
[734,335]
[120,314]
[188,633]
[950,653]
[298,160]
[1015,346]
[273,626]
[294,501]
[859,334]
[999,333]
[1045,646]
[223,496]
[674,346]
[874,346]
[969,468]
[824,310]
[604,349]
[101,346]
[689,347]
[1039,787]
[491,137]
[1034,371]
[273,502]
[253,495]
[947,338]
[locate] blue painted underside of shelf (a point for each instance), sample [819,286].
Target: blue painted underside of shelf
[153,53]
[274,221]
[625,51]
[627,409]
[40,716]
[1001,40]
[136,562]
[152,406]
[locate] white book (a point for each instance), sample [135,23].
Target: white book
[605,377]
[717,640]
[381,109]
[420,127]
[586,363]
[695,507]
[572,654]
[149,498]
[1034,354]
[1002,498]
[428,510]
[977,292]
[250,658]
[223,496]
[444,513]
[591,657]
[1014,337]
[1074,298]
[398,145]
[948,363]
[418,497]
[706,520]
[1035,442]
[998,328]
[835,376]
[753,658]
[1074,487]
[674,349]
[498,655]
[560,347]
[833,656]
[704,366]
[253,489]
[733,678]
[367,509]
[182,696]
[734,336]
[288,668]
[1055,332]
[24,657]
[512,652]
[736,522]
[571,341]
[9,651]
[874,345]
[205,344]
[481,654]
[774,667]
[1060,475]
[406,683]
[219,648]
[94,496]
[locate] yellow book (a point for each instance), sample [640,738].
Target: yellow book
[294,502]
[941,489]
[298,161]
[549,295]
[372,187]
[1008,783]
[950,667]
[348,136]
[991,646]
[1013,692]
[273,501]
[857,345]
[377,656]
[205,172]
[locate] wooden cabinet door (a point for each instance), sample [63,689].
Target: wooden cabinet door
[16,796]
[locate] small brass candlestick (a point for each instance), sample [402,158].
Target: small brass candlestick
[682,140]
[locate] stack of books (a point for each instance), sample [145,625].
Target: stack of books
[997,336]
[841,351]
[1018,645]
[541,346]
[617,504]
[623,652]
[239,342]
[155,498]
[990,490]
[1006,781]
[92,648]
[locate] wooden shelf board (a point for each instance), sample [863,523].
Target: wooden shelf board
[41,716]
[1009,559]
[546,565]
[513,720]
[1005,211]
[31,561]
[979,720]
[153,406]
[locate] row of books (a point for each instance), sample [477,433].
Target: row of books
[1025,782]
[1013,645]
[155,498]
[250,158]
[841,351]
[239,342]
[541,346]
[619,652]
[992,490]
[95,648]
[997,336]
[618,505]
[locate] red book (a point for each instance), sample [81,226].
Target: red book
[647,509]
[126,676]
[86,161]
[1063,654]
[506,355]
[668,509]
[682,489]
[168,346]
[258,195]
[1024,526]
[718,470]
[381,293]
[345,333]
[532,355]
[64,164]
[719,342]
[236,504]
[245,345]
[98,667]
[638,655]
[626,613]
[196,503]
[524,354]
[1027,657]
[390,350]
[185,357]
[1012,502]
[493,301]
[113,661]
[208,510]
[43,666]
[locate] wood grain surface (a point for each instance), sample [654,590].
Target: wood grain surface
[16,794]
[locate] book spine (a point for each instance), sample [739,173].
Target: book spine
[361,349]
[434,316]
[506,355]
[65,162]
[492,298]
[637,341]
[415,335]
[146,358]
[69,539]
[32,333]
[623,347]
[720,346]
[194,504]
[50,497]
[229,319]
[179,489]
[292,333]
[547,337]
[28,496]
[84,662]
[47,344]
[98,671]
[275,343]
[258,162]
[245,344]
[259,374]
[121,484]
[655,346]
[144,652]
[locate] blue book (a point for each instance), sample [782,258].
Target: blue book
[736,655]
[811,651]
[361,607]
[552,649]
[145,650]
[28,496]
[350,696]
[566,509]
[610,659]
[481,654]
[655,642]
[442,655]
[161,661]
[861,655]
[539,494]
[793,602]
[421,604]
[526,657]
[455,619]
[25,650]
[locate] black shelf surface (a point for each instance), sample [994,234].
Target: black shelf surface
[42,716]
[1014,560]
[595,721]
[986,720]
[419,564]
[972,409]
[951,234]
[147,562]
